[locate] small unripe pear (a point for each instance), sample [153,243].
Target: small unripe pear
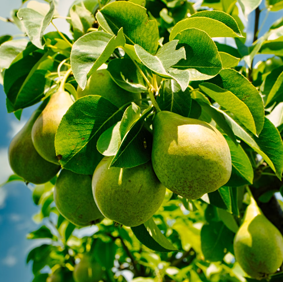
[129,196]
[87,270]
[190,157]
[46,125]
[258,244]
[74,200]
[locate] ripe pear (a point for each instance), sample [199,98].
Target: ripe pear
[87,270]
[101,83]
[258,244]
[46,125]
[129,196]
[25,160]
[190,157]
[73,198]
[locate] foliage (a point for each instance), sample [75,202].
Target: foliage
[169,54]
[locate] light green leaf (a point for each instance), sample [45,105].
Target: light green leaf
[137,26]
[161,63]
[228,219]
[12,178]
[90,51]
[228,61]
[274,5]
[276,89]
[237,84]
[276,116]
[35,23]
[150,235]
[125,73]
[214,23]
[231,103]
[83,123]
[274,47]
[248,6]
[201,54]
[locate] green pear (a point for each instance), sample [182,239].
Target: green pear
[25,160]
[258,244]
[129,196]
[87,270]
[74,200]
[190,157]
[46,125]
[101,83]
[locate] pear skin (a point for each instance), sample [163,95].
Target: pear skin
[87,270]
[73,198]
[129,196]
[46,125]
[258,244]
[25,160]
[190,157]
[101,83]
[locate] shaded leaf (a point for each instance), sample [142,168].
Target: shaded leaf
[42,232]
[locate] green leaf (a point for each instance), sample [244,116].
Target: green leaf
[276,116]
[228,61]
[35,23]
[42,277]
[90,51]
[276,90]
[242,170]
[134,149]
[202,57]
[9,50]
[266,197]
[42,232]
[161,63]
[274,5]
[150,235]
[274,47]
[248,6]
[236,83]
[66,229]
[83,123]
[215,240]
[228,219]
[214,23]
[172,98]
[81,19]
[12,178]
[137,26]
[126,75]
[5,38]
[104,253]
[231,103]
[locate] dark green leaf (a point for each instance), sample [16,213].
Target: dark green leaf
[42,232]
[150,235]
[266,197]
[83,123]
[40,277]
[274,5]
[5,38]
[274,47]
[104,253]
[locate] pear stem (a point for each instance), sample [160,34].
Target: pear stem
[62,86]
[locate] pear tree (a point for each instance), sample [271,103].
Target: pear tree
[159,125]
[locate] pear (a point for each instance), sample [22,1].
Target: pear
[101,83]
[87,270]
[61,274]
[46,125]
[25,160]
[190,157]
[129,196]
[73,198]
[258,244]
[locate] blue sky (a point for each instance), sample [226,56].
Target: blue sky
[16,205]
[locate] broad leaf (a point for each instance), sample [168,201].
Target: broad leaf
[104,253]
[232,103]
[274,47]
[277,87]
[172,98]
[214,23]
[137,26]
[216,238]
[83,123]
[237,84]
[126,75]
[228,61]
[42,232]
[202,58]
[248,6]
[150,235]
[161,63]
[90,51]
[12,178]
[274,5]
[35,23]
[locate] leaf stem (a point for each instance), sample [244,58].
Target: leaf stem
[62,35]
[63,81]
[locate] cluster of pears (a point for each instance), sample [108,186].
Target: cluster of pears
[258,244]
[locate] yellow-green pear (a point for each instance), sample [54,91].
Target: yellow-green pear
[46,125]
[101,83]
[258,244]
[73,198]
[87,270]
[129,196]
[25,160]
[190,157]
